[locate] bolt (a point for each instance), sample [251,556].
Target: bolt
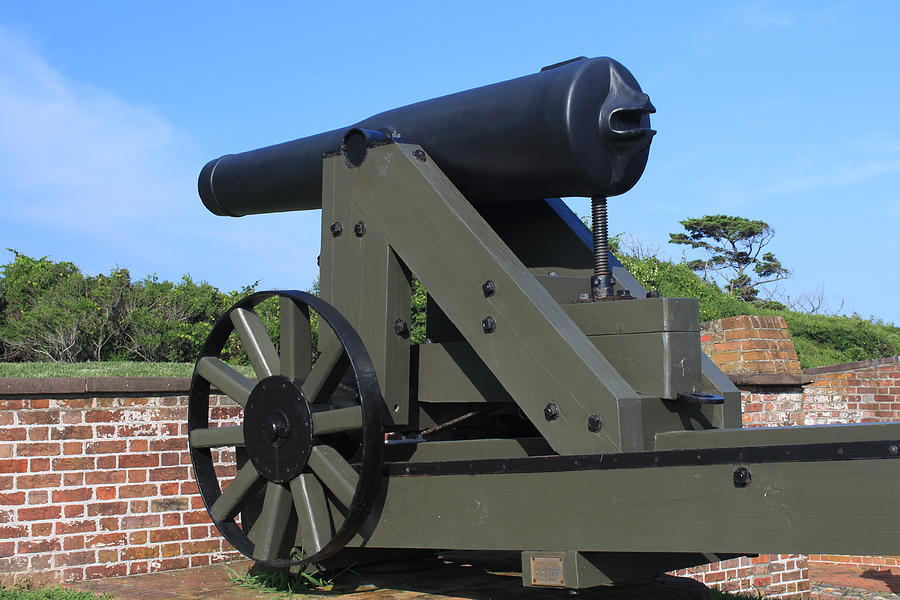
[595,423]
[420,154]
[337,229]
[742,477]
[489,325]
[401,328]
[585,296]
[551,411]
[553,274]
[488,287]
[653,294]
[359,229]
[892,449]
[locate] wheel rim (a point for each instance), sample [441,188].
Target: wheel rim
[289,424]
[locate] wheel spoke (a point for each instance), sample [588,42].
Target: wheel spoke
[233,384]
[295,340]
[313,522]
[334,421]
[216,437]
[256,343]
[269,530]
[326,374]
[335,472]
[226,506]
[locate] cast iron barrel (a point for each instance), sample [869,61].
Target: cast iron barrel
[580,128]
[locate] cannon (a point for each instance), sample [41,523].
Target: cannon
[556,408]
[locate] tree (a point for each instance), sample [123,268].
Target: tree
[734,251]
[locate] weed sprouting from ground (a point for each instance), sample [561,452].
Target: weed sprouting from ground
[283,580]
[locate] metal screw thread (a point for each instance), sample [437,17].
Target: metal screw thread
[600,229]
[601,282]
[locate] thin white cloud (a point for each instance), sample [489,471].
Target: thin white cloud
[121,180]
[70,153]
[762,16]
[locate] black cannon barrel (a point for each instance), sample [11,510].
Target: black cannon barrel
[580,128]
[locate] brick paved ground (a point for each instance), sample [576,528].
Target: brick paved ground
[441,581]
[457,581]
[833,582]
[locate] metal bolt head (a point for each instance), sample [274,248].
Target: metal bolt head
[551,411]
[359,229]
[742,477]
[336,228]
[401,328]
[595,423]
[893,449]
[489,325]
[420,154]
[488,287]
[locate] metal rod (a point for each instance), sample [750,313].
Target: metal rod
[602,281]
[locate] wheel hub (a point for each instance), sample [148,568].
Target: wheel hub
[277,429]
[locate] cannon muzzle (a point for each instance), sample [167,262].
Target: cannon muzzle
[580,128]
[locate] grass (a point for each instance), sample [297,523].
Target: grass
[282,581]
[103,369]
[47,593]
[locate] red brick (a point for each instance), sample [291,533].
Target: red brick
[73,542]
[140,521]
[195,516]
[174,563]
[38,434]
[169,474]
[107,556]
[106,463]
[136,538]
[38,417]
[138,445]
[79,432]
[105,447]
[105,539]
[140,553]
[7,549]
[84,557]
[103,416]
[109,523]
[29,547]
[39,514]
[137,491]
[18,465]
[38,449]
[41,529]
[170,550]
[106,493]
[73,510]
[138,460]
[11,434]
[137,475]
[169,535]
[73,464]
[168,489]
[12,498]
[104,477]
[72,495]
[71,448]
[107,508]
[13,531]
[36,465]
[101,571]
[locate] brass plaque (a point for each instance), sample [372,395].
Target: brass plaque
[547,570]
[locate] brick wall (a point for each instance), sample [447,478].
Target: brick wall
[783,576]
[755,345]
[100,486]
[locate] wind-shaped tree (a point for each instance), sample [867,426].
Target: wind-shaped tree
[734,252]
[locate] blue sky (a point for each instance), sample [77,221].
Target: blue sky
[773,111]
